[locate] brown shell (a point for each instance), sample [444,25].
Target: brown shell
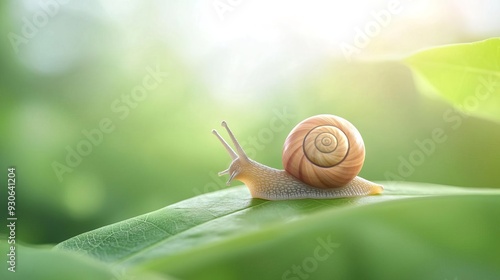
[324,151]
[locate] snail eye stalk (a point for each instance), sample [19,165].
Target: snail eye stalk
[239,149]
[231,152]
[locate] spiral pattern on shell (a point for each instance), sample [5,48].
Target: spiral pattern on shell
[324,151]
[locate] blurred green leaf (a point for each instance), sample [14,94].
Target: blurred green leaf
[466,75]
[45,263]
[227,235]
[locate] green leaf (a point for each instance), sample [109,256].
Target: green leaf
[453,237]
[466,75]
[45,263]
[229,235]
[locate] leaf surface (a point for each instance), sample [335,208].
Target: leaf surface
[466,75]
[210,235]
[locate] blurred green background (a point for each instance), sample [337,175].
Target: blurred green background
[263,67]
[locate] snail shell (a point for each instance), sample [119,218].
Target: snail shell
[324,151]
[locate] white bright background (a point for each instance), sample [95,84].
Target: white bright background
[245,48]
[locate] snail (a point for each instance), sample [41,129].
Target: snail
[322,157]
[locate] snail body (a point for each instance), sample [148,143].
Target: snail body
[322,156]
